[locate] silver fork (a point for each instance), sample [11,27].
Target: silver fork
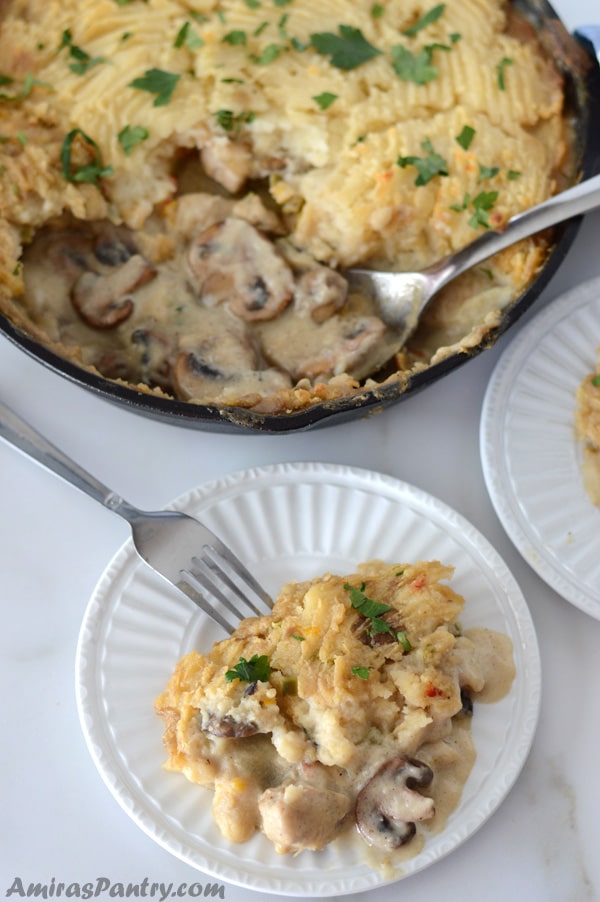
[175,545]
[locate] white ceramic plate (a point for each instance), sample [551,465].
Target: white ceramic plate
[531,461]
[290,521]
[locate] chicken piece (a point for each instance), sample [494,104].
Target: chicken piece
[299,816]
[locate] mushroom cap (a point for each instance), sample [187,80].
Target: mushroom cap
[389,804]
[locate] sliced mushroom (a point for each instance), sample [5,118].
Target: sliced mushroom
[112,250]
[320,292]
[104,301]
[389,804]
[318,351]
[68,252]
[233,263]
[202,366]
[154,351]
[228,728]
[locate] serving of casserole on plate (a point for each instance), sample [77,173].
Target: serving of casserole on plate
[183,183]
[294,522]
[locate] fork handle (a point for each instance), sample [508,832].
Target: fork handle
[24,437]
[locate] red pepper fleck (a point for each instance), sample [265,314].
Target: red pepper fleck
[419,582]
[433,691]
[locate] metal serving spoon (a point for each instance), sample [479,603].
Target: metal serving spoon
[401,297]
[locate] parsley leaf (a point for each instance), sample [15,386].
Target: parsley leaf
[325,99]
[268,55]
[256,669]
[427,167]
[487,172]
[28,83]
[235,38]
[361,672]
[83,61]
[596,381]
[230,121]
[132,135]
[482,204]
[92,172]
[188,37]
[426,19]
[347,50]
[414,67]
[370,609]
[377,11]
[500,68]
[159,82]
[466,137]
[404,641]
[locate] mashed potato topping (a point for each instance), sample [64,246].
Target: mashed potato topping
[348,706]
[244,152]
[587,425]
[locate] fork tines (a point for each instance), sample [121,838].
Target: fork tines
[223,588]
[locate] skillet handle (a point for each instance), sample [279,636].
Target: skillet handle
[590,33]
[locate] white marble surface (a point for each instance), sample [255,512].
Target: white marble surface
[59,821]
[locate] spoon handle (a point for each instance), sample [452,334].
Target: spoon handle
[574,202]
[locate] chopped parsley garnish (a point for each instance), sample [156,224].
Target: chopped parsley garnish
[268,55]
[513,174]
[90,173]
[414,67]
[596,381]
[262,27]
[487,172]
[466,137]
[230,121]
[361,672]
[28,83]
[426,19]
[132,135]
[377,10]
[235,38]
[325,99]
[188,37]
[500,69]
[83,61]
[404,641]
[281,2]
[345,50]
[257,669]
[253,4]
[158,82]
[428,166]
[482,204]
[282,24]
[370,609]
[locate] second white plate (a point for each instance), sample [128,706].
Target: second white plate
[287,522]
[531,460]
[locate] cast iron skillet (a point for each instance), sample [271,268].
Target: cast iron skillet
[576,56]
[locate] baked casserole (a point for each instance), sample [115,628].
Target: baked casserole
[346,710]
[184,182]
